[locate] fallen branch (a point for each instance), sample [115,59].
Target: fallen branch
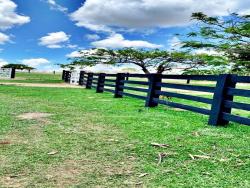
[199,156]
[160,157]
[52,153]
[142,175]
[160,145]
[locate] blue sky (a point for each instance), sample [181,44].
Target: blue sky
[42,33]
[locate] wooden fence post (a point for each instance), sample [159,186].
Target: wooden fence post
[67,76]
[100,84]
[120,77]
[63,75]
[127,76]
[81,77]
[89,80]
[13,73]
[220,95]
[154,79]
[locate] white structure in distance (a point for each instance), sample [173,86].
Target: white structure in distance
[75,76]
[5,73]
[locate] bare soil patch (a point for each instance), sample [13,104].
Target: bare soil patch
[13,182]
[64,175]
[14,137]
[33,116]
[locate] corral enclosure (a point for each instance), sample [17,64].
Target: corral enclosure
[223,98]
[72,136]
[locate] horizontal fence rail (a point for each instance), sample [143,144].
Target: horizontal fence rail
[154,89]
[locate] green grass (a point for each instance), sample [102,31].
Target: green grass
[24,77]
[105,142]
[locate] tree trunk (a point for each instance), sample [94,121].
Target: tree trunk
[160,69]
[145,70]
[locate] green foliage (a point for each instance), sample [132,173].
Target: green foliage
[19,66]
[160,60]
[76,63]
[87,58]
[210,71]
[229,36]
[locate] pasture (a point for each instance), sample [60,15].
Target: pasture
[73,137]
[34,77]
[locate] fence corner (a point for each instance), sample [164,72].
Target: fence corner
[220,96]
[154,85]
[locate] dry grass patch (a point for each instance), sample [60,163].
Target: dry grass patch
[65,174]
[33,116]
[15,180]
[37,116]
[13,137]
[72,172]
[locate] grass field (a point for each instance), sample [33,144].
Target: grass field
[25,77]
[94,140]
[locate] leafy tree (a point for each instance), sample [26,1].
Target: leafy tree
[85,59]
[19,67]
[77,62]
[229,36]
[160,60]
[129,70]
[211,71]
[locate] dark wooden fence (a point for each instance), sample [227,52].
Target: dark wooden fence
[66,76]
[13,73]
[152,89]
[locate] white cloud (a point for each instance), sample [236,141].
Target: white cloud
[118,41]
[74,54]
[35,62]
[106,15]
[4,38]
[92,37]
[55,6]
[50,68]
[8,15]
[207,51]
[54,40]
[72,46]
[109,68]
[175,43]
[81,53]
[3,62]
